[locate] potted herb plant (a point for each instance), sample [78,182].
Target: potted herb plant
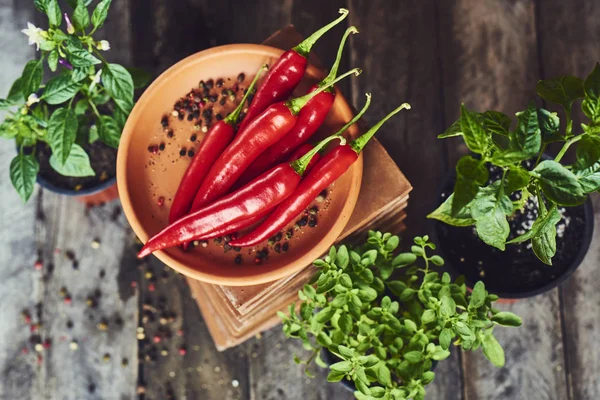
[67,129]
[385,334]
[517,218]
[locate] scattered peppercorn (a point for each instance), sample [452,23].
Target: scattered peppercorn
[170,133]
[193,138]
[209,84]
[238,259]
[220,82]
[312,221]
[313,210]
[302,222]
[277,248]
[285,247]
[289,234]
[241,77]
[223,101]
[106,357]
[161,147]
[164,121]
[182,152]
[181,116]
[190,153]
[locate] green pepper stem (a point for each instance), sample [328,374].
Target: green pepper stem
[338,59]
[295,105]
[301,164]
[306,45]
[232,118]
[357,116]
[359,143]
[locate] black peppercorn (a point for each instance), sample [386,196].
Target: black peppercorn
[170,133]
[161,147]
[285,247]
[164,121]
[312,222]
[238,259]
[220,82]
[182,152]
[181,116]
[193,138]
[209,84]
[241,77]
[219,117]
[223,101]
[190,153]
[277,248]
[303,221]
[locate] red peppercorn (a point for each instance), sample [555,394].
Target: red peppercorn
[151,287]
[160,201]
[38,265]
[182,351]
[156,339]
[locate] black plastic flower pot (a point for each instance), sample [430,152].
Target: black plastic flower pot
[516,272]
[330,358]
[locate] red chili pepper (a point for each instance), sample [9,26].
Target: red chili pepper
[331,167]
[310,118]
[260,195]
[302,150]
[286,73]
[265,130]
[215,141]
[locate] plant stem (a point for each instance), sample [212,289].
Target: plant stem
[542,150]
[566,146]
[94,108]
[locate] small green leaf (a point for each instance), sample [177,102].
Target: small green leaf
[440,354]
[342,259]
[60,89]
[559,184]
[392,243]
[541,224]
[53,60]
[549,126]
[15,94]
[335,376]
[587,167]
[525,140]
[428,316]
[591,85]
[470,175]
[110,134]
[428,377]
[444,214]
[62,132]
[445,338]
[413,357]
[100,13]
[496,122]
[506,318]
[447,306]
[118,82]
[437,261]
[81,16]
[516,178]
[492,350]
[325,314]
[32,77]
[345,352]
[80,57]
[403,260]
[464,331]
[345,323]
[474,134]
[53,12]
[478,295]
[544,245]
[23,172]
[489,209]
[454,130]
[77,164]
[362,387]
[384,375]
[8,129]
[41,5]
[140,77]
[563,90]
[342,366]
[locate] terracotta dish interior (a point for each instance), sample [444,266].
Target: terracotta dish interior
[143,177]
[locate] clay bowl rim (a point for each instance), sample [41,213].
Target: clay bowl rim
[305,259]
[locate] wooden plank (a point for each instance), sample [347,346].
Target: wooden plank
[489,62]
[398,51]
[568,46]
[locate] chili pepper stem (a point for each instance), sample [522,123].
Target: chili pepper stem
[306,45]
[233,117]
[300,164]
[338,59]
[295,105]
[359,143]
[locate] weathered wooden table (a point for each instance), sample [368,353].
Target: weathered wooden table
[434,54]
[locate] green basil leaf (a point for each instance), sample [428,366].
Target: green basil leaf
[23,171]
[496,122]
[60,89]
[342,366]
[53,60]
[559,184]
[492,350]
[447,306]
[506,318]
[541,224]
[544,244]
[464,331]
[549,125]
[119,84]
[345,323]
[428,316]
[77,164]
[445,338]
[80,57]
[81,16]
[342,259]
[53,12]
[587,167]
[516,178]
[15,94]
[440,354]
[474,134]
[470,175]
[413,357]
[140,77]
[110,133]
[335,376]
[100,13]
[478,295]
[325,315]
[32,77]
[62,132]
[563,90]
[444,214]
[454,130]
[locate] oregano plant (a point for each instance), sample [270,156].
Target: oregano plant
[387,317]
[86,99]
[488,204]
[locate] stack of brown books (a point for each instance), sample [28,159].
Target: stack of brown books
[234,314]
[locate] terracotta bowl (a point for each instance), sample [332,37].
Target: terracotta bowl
[143,177]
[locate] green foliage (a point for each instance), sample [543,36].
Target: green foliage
[486,205]
[88,100]
[386,345]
